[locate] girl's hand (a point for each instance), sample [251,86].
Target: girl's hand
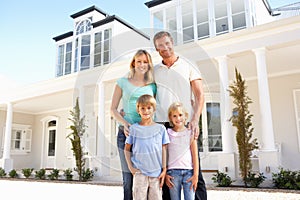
[169,182]
[194,180]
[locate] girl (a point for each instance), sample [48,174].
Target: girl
[183,163]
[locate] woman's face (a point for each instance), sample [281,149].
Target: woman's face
[141,64]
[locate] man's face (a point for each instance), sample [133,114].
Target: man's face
[164,46]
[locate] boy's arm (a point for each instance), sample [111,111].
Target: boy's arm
[164,165]
[128,157]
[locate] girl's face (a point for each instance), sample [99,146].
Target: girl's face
[177,117]
[146,111]
[141,64]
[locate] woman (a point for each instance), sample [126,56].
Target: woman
[128,89]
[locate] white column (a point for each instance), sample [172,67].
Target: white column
[7,162]
[264,101]
[81,99]
[101,120]
[226,160]
[227,135]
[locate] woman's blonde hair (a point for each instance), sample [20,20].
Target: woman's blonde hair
[146,99]
[149,74]
[177,106]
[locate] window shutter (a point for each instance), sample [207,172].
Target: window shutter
[27,140]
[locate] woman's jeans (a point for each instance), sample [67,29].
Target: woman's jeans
[127,176]
[180,177]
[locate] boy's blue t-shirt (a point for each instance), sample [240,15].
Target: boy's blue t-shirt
[147,142]
[130,94]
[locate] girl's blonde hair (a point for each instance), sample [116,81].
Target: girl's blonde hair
[146,99]
[177,106]
[149,74]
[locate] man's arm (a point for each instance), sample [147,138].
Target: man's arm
[198,91]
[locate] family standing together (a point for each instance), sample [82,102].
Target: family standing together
[157,138]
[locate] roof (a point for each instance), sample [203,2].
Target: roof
[87,10]
[111,18]
[63,36]
[153,3]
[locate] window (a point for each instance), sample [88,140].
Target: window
[172,23]
[187,21]
[202,19]
[83,26]
[85,52]
[51,137]
[20,139]
[60,60]
[64,60]
[238,14]
[102,47]
[210,138]
[221,16]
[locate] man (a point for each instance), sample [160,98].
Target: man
[178,80]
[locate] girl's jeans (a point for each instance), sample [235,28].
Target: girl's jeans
[180,176]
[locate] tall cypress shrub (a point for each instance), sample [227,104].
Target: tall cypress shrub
[241,119]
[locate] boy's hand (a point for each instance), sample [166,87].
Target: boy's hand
[169,182]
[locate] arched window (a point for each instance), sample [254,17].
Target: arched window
[84,26]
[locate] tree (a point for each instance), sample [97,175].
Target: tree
[78,129]
[241,119]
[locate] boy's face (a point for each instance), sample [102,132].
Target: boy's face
[146,111]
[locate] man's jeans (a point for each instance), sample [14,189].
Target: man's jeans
[127,176]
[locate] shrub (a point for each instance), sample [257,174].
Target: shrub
[54,174]
[41,174]
[87,174]
[27,172]
[2,172]
[286,179]
[222,179]
[13,173]
[254,179]
[68,174]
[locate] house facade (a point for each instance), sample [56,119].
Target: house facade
[219,36]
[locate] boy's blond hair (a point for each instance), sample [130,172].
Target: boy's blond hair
[177,106]
[146,99]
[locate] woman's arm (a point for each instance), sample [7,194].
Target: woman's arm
[116,98]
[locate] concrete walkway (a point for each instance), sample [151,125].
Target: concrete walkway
[44,190]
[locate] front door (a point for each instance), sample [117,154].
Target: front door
[50,145]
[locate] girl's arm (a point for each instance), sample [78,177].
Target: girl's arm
[195,160]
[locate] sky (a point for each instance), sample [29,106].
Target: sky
[27,50]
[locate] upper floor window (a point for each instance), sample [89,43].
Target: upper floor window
[64,60]
[102,47]
[83,26]
[187,21]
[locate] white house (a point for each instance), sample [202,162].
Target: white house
[219,35]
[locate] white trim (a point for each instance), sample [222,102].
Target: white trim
[297,114]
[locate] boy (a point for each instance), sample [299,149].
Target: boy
[147,161]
